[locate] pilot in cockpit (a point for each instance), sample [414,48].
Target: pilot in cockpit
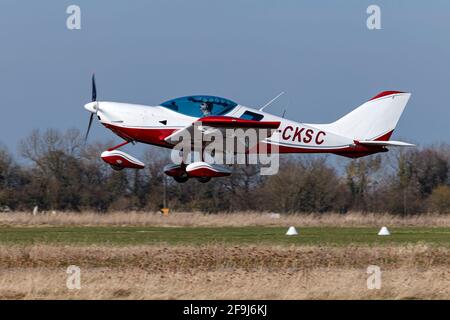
[206,108]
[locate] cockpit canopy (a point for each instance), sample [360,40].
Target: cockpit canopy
[200,106]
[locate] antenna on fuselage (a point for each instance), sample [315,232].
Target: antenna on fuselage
[285,108]
[271,101]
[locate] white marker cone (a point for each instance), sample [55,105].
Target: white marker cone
[384,232]
[291,231]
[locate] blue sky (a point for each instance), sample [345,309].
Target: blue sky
[319,52]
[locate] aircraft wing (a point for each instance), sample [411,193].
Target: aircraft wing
[208,126]
[231,122]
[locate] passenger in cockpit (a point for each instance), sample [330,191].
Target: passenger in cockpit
[206,108]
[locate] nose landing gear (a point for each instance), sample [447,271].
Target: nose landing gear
[116,168]
[203,179]
[119,160]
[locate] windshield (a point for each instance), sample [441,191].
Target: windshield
[200,106]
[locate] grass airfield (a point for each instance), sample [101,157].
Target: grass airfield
[249,235]
[238,256]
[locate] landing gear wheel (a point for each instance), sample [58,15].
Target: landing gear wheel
[203,179]
[181,179]
[117,168]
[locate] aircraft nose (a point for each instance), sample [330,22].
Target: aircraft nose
[91,106]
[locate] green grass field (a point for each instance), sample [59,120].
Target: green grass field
[219,235]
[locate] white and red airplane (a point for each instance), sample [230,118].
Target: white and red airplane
[364,131]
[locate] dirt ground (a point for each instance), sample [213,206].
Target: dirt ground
[224,272]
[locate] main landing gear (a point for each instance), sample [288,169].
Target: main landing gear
[203,179]
[202,171]
[181,179]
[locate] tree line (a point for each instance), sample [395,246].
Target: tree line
[57,171]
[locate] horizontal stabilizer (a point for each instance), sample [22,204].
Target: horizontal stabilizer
[390,143]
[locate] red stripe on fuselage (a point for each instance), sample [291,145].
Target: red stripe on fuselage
[156,136]
[357,149]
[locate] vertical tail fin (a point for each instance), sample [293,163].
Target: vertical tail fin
[374,120]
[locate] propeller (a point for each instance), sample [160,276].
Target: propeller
[94,89]
[94,99]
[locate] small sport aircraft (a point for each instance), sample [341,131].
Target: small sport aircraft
[364,131]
